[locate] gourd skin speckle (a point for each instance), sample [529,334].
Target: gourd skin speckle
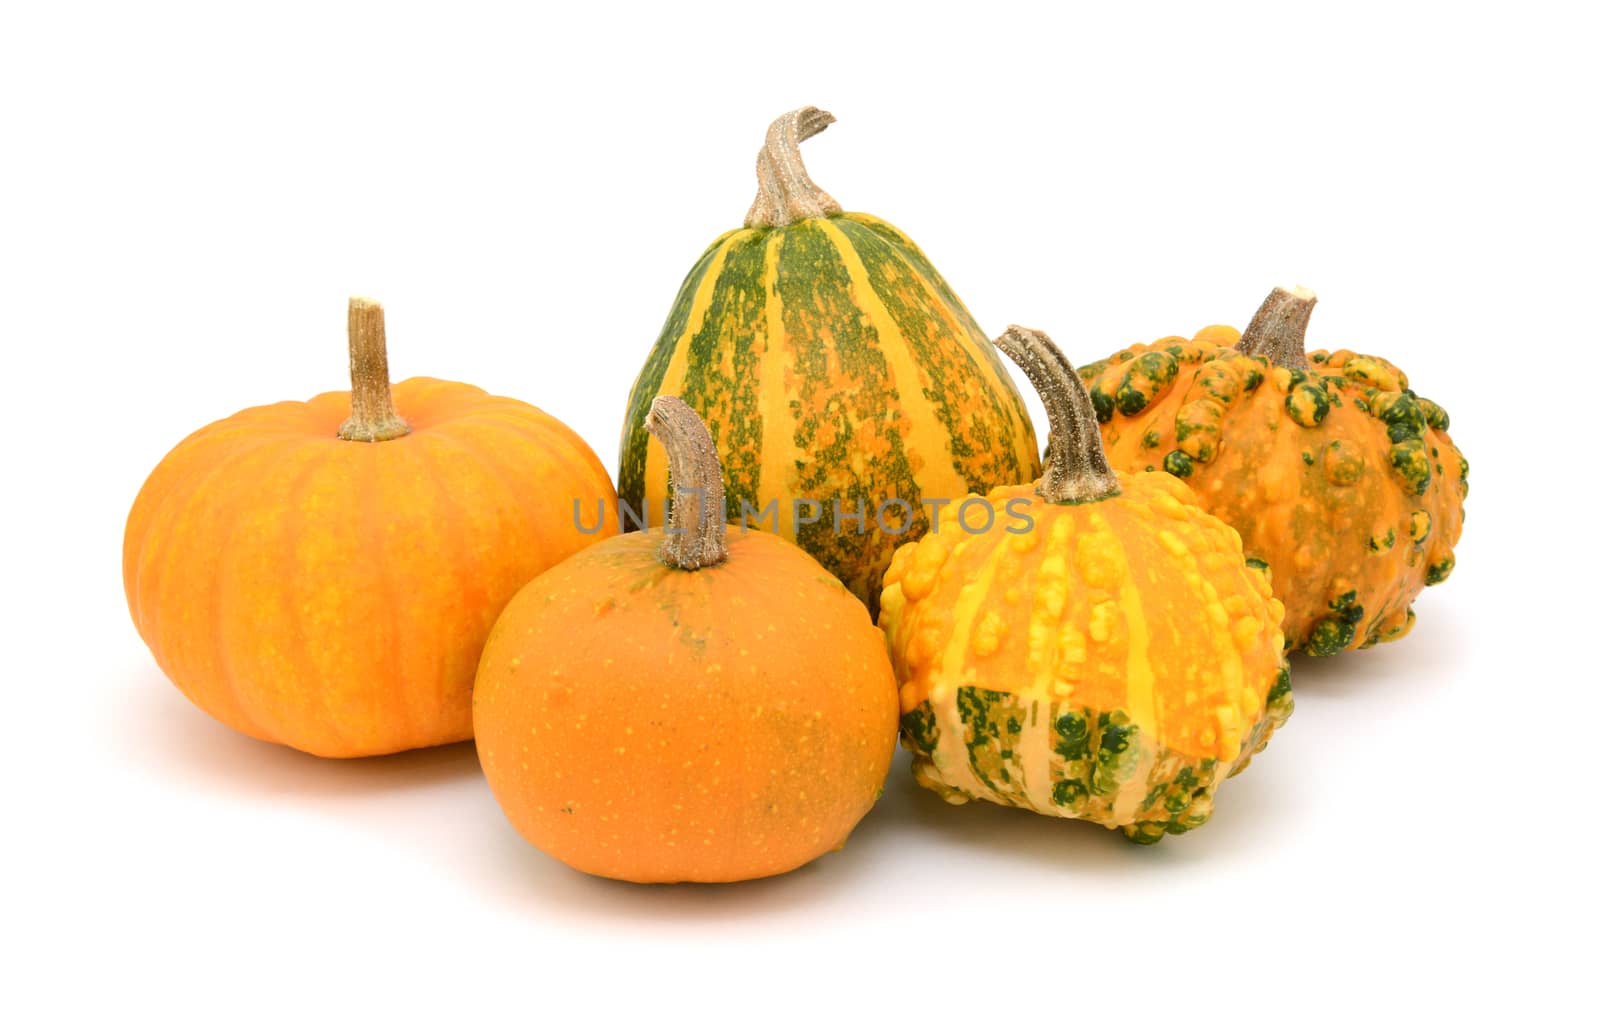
[334,596]
[838,374]
[1342,479]
[1113,663]
[656,725]
[831,361]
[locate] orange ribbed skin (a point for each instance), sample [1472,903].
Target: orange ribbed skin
[333,595]
[658,725]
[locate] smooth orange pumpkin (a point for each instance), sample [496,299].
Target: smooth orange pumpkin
[715,707]
[329,587]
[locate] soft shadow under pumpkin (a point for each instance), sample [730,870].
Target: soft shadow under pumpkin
[160,732]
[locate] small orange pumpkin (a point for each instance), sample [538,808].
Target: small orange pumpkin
[329,587]
[714,707]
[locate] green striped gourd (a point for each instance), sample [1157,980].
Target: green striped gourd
[832,363]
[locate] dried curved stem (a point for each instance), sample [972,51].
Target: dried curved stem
[372,414]
[1278,330]
[695,531]
[786,192]
[1077,471]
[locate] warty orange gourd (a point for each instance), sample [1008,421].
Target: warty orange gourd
[1338,476]
[1113,659]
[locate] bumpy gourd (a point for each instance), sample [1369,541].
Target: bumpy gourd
[714,707]
[832,363]
[1112,658]
[323,573]
[1336,474]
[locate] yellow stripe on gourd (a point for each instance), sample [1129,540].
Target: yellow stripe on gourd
[1047,620]
[954,668]
[1221,691]
[655,465]
[1141,677]
[778,450]
[987,366]
[937,474]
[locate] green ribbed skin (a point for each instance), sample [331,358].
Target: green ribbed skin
[1100,766]
[831,361]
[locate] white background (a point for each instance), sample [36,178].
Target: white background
[188,196]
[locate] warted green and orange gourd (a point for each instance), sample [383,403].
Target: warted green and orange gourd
[1112,661]
[1336,473]
[831,362]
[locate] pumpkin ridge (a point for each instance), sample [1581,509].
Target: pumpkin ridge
[134,552]
[572,471]
[315,729]
[263,722]
[153,628]
[467,570]
[586,465]
[439,402]
[371,493]
[433,402]
[549,473]
[252,425]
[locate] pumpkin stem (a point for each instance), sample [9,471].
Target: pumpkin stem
[1278,331]
[787,192]
[695,531]
[372,414]
[1076,471]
